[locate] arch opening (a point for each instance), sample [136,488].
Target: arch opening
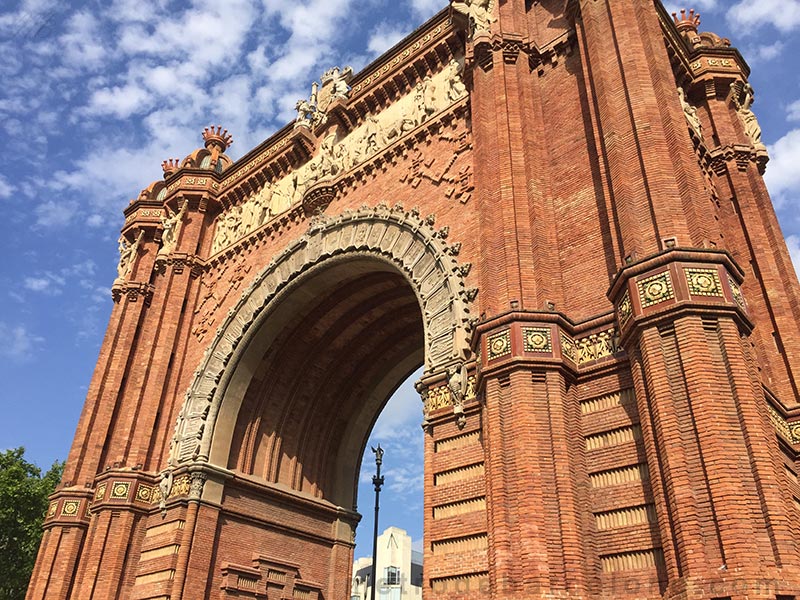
[315,376]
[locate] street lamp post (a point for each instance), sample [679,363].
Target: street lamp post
[377,481]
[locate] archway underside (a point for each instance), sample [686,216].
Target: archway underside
[353,333]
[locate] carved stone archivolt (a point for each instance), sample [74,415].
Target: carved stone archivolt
[394,235]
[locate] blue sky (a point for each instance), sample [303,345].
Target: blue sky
[96,94]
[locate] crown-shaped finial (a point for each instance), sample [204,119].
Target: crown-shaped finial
[170,165]
[686,22]
[217,137]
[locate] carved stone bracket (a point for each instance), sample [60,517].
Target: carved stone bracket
[132,291]
[178,262]
[721,158]
[394,235]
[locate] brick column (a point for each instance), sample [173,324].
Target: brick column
[711,451]
[536,483]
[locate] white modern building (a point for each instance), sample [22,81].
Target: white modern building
[399,571]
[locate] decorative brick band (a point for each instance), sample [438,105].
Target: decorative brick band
[615,437]
[622,398]
[459,474]
[461,584]
[625,517]
[459,441]
[166,575]
[460,545]
[631,561]
[169,550]
[619,476]
[455,509]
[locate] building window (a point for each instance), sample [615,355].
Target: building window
[392,576]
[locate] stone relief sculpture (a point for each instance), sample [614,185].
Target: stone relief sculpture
[457,383]
[339,155]
[479,13]
[127,253]
[751,127]
[455,86]
[690,113]
[171,222]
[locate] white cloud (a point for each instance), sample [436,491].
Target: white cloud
[81,44]
[793,242]
[18,343]
[6,189]
[764,52]
[41,284]
[54,215]
[384,36]
[782,175]
[746,16]
[427,8]
[793,111]
[119,101]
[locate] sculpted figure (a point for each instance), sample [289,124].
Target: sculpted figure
[751,127]
[372,141]
[339,77]
[342,158]
[456,88]
[424,102]
[171,224]
[127,252]
[478,12]
[305,113]
[253,211]
[282,194]
[690,112]
[457,383]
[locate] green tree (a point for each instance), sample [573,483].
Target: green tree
[23,502]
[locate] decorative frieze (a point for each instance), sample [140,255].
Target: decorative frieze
[339,155]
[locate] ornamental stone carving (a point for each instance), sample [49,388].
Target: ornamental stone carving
[479,13]
[171,222]
[393,235]
[339,154]
[127,254]
[752,129]
[690,114]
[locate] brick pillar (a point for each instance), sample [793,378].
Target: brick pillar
[126,401]
[536,484]
[716,471]
[656,185]
[751,233]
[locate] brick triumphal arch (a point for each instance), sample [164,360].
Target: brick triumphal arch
[558,208]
